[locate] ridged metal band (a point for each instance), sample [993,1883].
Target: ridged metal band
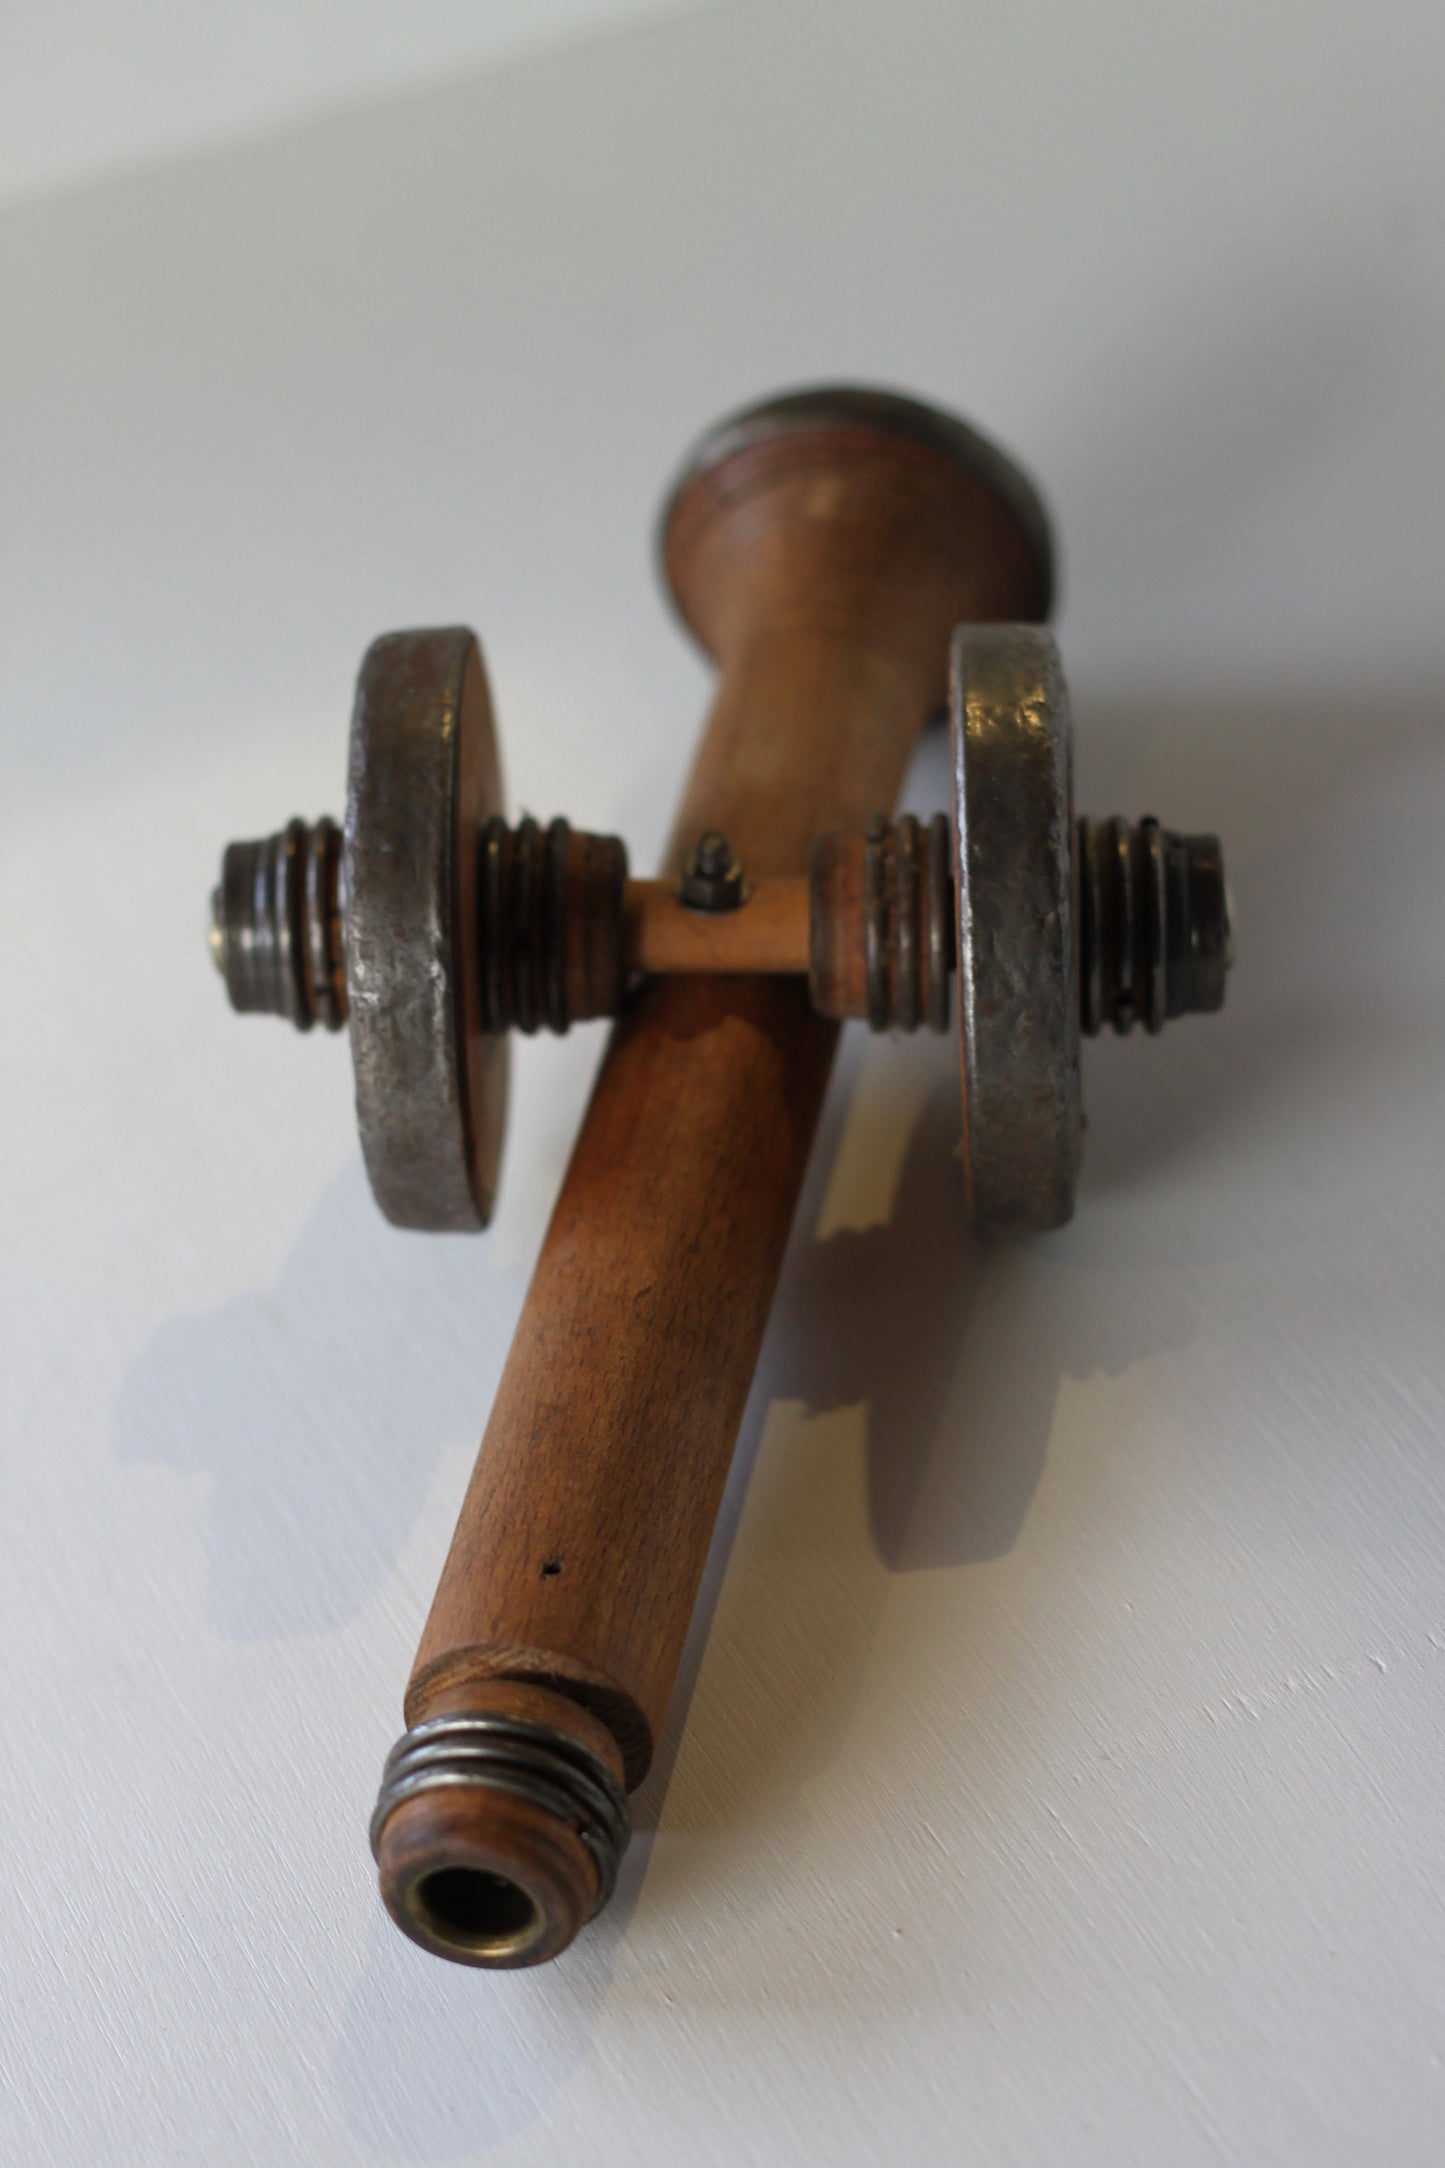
[907,923]
[1154,939]
[545,893]
[875,924]
[276,925]
[523,1758]
[938,916]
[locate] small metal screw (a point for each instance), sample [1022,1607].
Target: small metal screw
[712,876]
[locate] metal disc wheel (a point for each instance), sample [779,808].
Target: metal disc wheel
[1018,973]
[423,779]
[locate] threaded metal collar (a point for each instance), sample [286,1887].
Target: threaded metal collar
[519,1756]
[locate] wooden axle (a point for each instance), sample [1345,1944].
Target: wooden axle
[872,925]
[567,935]
[564,934]
[768,932]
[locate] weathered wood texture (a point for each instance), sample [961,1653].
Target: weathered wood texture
[824,569]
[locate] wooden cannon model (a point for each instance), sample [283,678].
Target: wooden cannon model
[852,561]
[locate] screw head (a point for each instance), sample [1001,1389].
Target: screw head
[712,875]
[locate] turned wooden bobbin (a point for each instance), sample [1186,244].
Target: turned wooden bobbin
[822,550]
[832,551]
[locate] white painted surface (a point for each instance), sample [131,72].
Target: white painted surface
[88,85]
[1058,1776]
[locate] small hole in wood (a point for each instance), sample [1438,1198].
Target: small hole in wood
[551,1567]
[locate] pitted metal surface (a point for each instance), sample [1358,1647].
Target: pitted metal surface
[1018,992]
[423,779]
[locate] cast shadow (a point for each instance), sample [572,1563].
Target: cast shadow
[312,1492]
[436,2061]
[1325,803]
[954,1351]
[902,1318]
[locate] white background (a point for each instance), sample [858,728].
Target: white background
[89,85]
[1056,1775]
